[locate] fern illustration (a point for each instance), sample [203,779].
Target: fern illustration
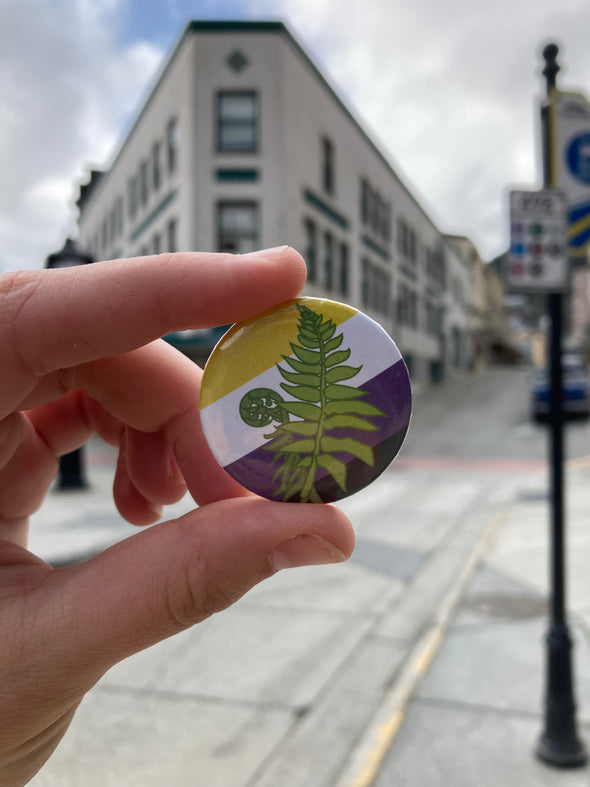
[320,404]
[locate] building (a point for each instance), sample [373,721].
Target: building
[243,144]
[489,330]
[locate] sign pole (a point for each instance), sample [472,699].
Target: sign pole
[559,743]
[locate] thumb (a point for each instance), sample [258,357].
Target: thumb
[178,573]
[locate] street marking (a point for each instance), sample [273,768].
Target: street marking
[385,734]
[430,650]
[377,741]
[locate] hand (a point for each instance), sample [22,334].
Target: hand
[80,353]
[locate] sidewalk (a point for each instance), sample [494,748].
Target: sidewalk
[419,662]
[474,714]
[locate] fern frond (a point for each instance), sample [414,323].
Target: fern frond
[320,403]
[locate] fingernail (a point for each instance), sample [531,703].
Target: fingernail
[264,254]
[305,550]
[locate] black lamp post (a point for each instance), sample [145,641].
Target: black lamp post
[71,466]
[559,743]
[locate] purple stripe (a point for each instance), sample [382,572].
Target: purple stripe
[389,391]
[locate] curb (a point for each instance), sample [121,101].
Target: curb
[365,761]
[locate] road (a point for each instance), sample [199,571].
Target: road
[486,414]
[279,689]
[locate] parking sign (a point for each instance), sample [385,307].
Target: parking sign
[538,259]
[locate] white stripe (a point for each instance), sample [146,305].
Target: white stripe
[230,438]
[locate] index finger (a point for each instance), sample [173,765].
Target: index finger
[56,319]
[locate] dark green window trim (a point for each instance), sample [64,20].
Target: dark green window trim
[323,207]
[370,244]
[160,207]
[408,272]
[237,175]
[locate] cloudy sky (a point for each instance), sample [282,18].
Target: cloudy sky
[448,90]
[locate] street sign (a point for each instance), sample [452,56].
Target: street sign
[570,164]
[538,259]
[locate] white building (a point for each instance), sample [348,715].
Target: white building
[241,145]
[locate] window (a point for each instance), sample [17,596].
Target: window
[237,227]
[172,145]
[156,172]
[113,224]
[457,348]
[328,261]
[132,197]
[310,249]
[120,217]
[433,319]
[407,241]
[343,269]
[327,174]
[375,287]
[237,122]
[365,196]
[375,211]
[143,183]
[156,244]
[171,235]
[435,266]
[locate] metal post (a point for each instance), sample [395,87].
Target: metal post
[71,466]
[72,471]
[559,743]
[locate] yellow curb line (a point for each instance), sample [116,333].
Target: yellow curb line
[378,739]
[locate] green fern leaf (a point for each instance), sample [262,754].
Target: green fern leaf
[328,330]
[334,343]
[339,407]
[337,357]
[320,404]
[303,392]
[307,356]
[306,428]
[335,467]
[299,378]
[347,422]
[299,366]
[300,447]
[344,392]
[308,341]
[306,410]
[338,373]
[350,446]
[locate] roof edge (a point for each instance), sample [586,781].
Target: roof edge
[237,25]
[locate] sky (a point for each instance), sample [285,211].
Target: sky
[448,90]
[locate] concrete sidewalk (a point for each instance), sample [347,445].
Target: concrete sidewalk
[418,662]
[473,715]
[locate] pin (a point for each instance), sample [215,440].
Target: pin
[307,402]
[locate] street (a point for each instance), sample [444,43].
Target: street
[486,415]
[286,687]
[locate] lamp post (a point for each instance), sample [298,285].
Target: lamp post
[559,743]
[71,466]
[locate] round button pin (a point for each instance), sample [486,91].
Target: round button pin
[307,402]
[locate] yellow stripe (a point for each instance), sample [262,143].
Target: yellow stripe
[578,227]
[385,735]
[251,347]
